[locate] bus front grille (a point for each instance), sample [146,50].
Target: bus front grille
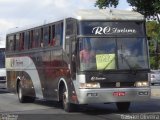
[117,84]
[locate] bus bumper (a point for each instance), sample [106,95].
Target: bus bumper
[87,96]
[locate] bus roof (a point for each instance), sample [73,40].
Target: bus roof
[90,14]
[108,14]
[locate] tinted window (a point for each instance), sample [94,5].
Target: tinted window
[46,36]
[17,41]
[132,53]
[59,34]
[113,53]
[2,59]
[21,44]
[26,40]
[70,27]
[10,43]
[37,37]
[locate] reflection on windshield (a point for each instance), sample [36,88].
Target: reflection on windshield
[97,54]
[132,53]
[103,53]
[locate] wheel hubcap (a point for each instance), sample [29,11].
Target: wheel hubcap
[64,98]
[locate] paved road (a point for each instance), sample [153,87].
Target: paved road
[11,108]
[155,91]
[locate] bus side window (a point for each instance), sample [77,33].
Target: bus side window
[46,36]
[36,37]
[41,38]
[59,33]
[26,40]
[32,39]
[70,27]
[49,35]
[14,43]
[21,42]
[17,41]
[53,39]
[10,43]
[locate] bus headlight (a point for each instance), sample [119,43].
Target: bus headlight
[89,85]
[141,84]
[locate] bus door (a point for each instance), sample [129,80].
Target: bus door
[70,45]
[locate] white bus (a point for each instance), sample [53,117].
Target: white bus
[95,56]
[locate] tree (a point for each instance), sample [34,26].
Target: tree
[149,8]
[153,33]
[106,3]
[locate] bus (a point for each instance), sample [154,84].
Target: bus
[49,61]
[2,68]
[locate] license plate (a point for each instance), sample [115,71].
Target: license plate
[119,93]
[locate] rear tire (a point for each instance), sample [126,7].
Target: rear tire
[123,106]
[22,98]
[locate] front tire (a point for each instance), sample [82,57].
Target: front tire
[123,106]
[67,106]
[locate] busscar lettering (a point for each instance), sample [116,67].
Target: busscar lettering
[109,30]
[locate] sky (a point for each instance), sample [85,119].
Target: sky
[19,13]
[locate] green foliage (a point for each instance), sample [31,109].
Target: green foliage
[152,62]
[106,3]
[146,7]
[153,33]
[153,29]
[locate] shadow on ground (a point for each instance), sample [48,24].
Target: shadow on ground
[3,91]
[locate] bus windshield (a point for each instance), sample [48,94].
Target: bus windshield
[112,53]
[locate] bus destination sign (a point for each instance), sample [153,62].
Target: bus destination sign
[112,30]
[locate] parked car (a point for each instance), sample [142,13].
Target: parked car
[155,77]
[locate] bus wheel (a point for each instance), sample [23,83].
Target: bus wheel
[68,107]
[21,97]
[123,106]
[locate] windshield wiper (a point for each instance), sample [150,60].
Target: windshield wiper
[133,69]
[123,58]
